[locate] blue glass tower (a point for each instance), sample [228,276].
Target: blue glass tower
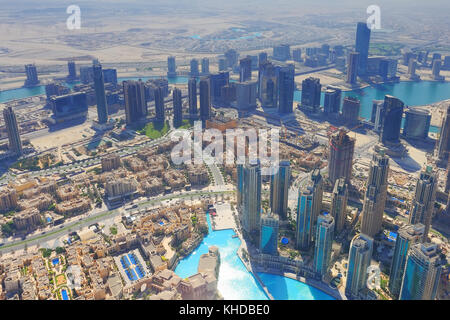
[279,189]
[407,237]
[422,273]
[268,243]
[362,46]
[100,95]
[359,258]
[324,243]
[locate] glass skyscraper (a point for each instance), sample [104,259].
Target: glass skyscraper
[360,255]
[324,243]
[362,46]
[339,199]
[251,197]
[304,219]
[376,193]
[408,235]
[423,202]
[177,108]
[100,95]
[15,144]
[279,189]
[392,120]
[268,243]
[286,86]
[422,273]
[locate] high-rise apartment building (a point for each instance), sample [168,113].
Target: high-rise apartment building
[323,243]
[32,75]
[279,189]
[135,102]
[177,108]
[362,46]
[100,95]
[268,241]
[311,89]
[422,273]
[360,255]
[375,196]
[192,96]
[350,110]
[245,69]
[339,199]
[251,196]
[205,99]
[286,87]
[392,120]
[422,205]
[408,235]
[15,144]
[340,160]
[160,109]
[352,67]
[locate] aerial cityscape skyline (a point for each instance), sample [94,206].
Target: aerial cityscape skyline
[347,198]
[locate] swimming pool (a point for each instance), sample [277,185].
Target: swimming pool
[64,294]
[55,261]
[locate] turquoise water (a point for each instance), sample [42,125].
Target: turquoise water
[235,282]
[411,93]
[283,288]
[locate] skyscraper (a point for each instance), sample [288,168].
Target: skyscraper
[245,69]
[340,160]
[251,197]
[282,52]
[362,46]
[279,189]
[205,99]
[135,103]
[32,76]
[443,149]
[324,242]
[308,209]
[268,240]
[422,273]
[15,144]
[177,108]
[160,112]
[392,120]
[268,84]
[417,123]
[192,95]
[72,70]
[423,202]
[286,86]
[297,55]
[304,218]
[408,235]
[311,94]
[171,67]
[262,57]
[222,64]
[436,69]
[194,68]
[339,199]
[350,110]
[332,101]
[352,67]
[376,193]
[239,184]
[216,83]
[205,66]
[231,58]
[359,258]
[100,95]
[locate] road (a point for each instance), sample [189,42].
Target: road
[85,221]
